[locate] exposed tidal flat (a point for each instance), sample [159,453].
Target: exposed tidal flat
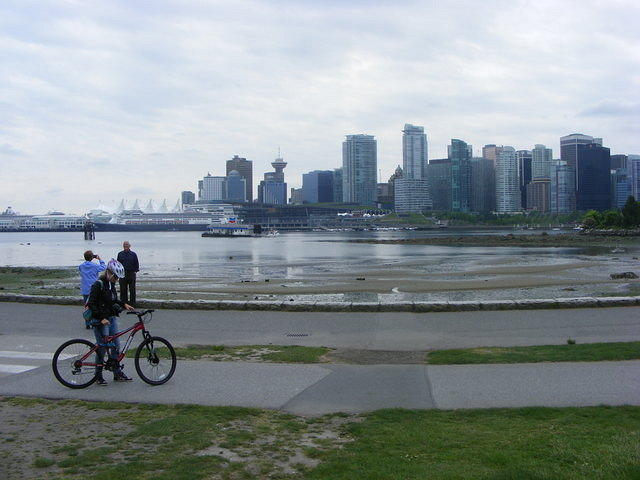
[389,266]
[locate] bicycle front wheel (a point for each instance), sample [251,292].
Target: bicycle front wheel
[155,360]
[74,363]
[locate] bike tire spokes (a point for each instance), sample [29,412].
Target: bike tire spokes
[155,360]
[74,365]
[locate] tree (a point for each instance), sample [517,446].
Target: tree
[611,219]
[592,219]
[631,213]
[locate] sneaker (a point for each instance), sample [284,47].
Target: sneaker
[121,377]
[101,381]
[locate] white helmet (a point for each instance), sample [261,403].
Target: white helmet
[116,268]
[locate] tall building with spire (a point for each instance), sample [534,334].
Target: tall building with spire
[273,189]
[278,166]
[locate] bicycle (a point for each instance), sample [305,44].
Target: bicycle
[74,363]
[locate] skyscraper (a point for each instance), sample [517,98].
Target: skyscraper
[460,157]
[538,194]
[273,189]
[593,177]
[507,183]
[392,182]
[439,178]
[620,187]
[563,187]
[541,158]
[414,152]
[278,166]
[213,188]
[411,195]
[587,186]
[524,158]
[483,185]
[633,176]
[236,187]
[187,198]
[490,152]
[245,168]
[337,185]
[569,149]
[618,161]
[359,169]
[317,186]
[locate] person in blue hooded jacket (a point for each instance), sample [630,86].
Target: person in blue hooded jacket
[89,271]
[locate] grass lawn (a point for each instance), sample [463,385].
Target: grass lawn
[96,441]
[585,352]
[519,444]
[260,353]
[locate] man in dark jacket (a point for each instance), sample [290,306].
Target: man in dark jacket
[129,261]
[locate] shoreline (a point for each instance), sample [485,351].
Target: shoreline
[594,239]
[303,306]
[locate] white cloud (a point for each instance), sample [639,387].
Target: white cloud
[149,96]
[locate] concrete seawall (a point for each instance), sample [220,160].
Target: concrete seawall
[302,306]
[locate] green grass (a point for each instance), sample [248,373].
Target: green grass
[528,443]
[43,462]
[268,353]
[585,352]
[522,444]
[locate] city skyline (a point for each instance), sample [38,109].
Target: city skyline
[104,101]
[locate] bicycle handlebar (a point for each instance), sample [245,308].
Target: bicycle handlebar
[140,314]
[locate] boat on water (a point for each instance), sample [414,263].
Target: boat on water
[190,220]
[232,228]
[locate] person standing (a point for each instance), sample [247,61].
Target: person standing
[105,308]
[89,271]
[129,261]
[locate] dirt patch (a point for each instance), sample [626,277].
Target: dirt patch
[375,357]
[75,440]
[281,451]
[36,437]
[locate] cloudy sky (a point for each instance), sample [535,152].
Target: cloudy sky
[103,100]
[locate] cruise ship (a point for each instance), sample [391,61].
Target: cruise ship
[11,221]
[195,219]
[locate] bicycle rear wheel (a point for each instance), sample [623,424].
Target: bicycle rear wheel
[68,367]
[155,360]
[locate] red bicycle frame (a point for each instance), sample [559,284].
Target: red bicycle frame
[139,325]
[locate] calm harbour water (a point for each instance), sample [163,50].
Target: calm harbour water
[298,255]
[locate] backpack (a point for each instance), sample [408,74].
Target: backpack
[87,314]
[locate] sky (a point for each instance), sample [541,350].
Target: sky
[105,100]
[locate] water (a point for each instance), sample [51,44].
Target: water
[320,266]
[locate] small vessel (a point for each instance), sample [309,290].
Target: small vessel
[232,228]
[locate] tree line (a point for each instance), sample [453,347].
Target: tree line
[628,217]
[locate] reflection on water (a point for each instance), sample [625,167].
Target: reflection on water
[296,257]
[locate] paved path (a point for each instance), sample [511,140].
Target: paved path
[372,331]
[319,389]
[29,334]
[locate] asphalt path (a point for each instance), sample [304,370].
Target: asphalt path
[321,389]
[29,334]
[373,331]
